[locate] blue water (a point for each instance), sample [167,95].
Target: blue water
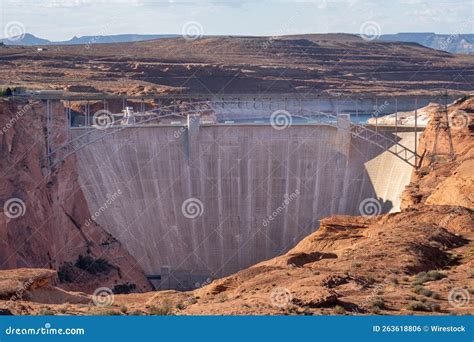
[295,120]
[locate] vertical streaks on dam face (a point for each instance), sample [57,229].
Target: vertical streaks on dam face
[261,189]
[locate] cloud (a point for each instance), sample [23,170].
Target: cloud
[234,17]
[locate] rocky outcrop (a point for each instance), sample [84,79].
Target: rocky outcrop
[406,118]
[442,180]
[455,189]
[36,285]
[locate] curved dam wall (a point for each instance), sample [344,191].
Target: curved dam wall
[137,179]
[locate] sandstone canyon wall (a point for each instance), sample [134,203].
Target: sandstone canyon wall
[51,229]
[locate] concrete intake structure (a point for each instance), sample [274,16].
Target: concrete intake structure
[214,199]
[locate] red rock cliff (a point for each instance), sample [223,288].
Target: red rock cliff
[51,230]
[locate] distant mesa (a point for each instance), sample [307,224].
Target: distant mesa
[29,39]
[453,43]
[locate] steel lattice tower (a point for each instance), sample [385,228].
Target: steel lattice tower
[442,128]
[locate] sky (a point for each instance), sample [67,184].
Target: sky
[63,19]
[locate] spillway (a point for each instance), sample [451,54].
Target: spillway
[255,190]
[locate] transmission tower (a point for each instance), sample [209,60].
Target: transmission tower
[442,129]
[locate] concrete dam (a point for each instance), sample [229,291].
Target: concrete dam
[209,200]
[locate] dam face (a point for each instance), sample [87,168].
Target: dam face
[214,199]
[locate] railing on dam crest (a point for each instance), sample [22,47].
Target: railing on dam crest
[93,121]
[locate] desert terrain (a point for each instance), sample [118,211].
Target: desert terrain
[332,64]
[420,260]
[417,261]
